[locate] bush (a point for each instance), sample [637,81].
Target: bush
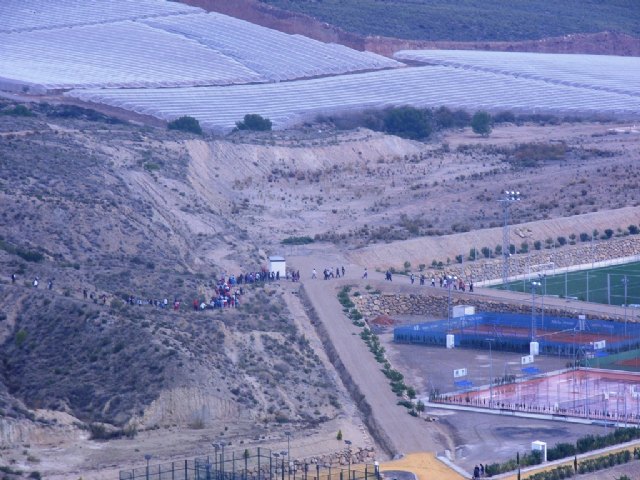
[186,124]
[254,122]
[584,237]
[633,229]
[408,122]
[504,117]
[297,241]
[482,123]
[19,111]
[561,450]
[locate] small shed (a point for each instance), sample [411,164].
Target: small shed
[278,265]
[541,447]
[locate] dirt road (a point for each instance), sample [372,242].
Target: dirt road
[390,424]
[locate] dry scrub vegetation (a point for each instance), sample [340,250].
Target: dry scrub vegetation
[93,203]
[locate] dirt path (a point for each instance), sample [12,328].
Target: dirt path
[425,466]
[390,424]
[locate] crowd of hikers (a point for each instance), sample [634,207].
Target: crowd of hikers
[227,290]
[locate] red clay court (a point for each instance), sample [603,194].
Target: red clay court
[583,393]
[567,337]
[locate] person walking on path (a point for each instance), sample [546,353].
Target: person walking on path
[314,274]
[365,274]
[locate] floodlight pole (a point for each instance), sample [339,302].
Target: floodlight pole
[543,277]
[450,281]
[490,340]
[533,309]
[508,197]
[625,282]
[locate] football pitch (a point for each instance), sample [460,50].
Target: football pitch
[605,285]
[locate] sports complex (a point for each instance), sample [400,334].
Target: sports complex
[601,381]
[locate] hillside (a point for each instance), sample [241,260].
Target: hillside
[113,217]
[472,20]
[133,214]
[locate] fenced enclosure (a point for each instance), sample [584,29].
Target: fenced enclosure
[612,285]
[259,464]
[513,332]
[602,395]
[629,361]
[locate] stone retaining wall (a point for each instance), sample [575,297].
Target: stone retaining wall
[372,305]
[561,257]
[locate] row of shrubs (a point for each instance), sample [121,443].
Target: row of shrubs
[561,450]
[586,466]
[396,379]
[410,122]
[348,307]
[528,459]
[607,461]
[558,473]
[487,252]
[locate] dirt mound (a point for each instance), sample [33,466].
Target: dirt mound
[383,321]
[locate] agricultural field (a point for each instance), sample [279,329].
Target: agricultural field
[168,46]
[471,20]
[290,103]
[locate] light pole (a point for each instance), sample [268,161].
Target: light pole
[543,277]
[450,281]
[533,309]
[625,282]
[348,442]
[147,457]
[288,434]
[283,453]
[508,197]
[216,447]
[490,341]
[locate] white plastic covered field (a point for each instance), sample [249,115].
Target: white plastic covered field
[285,103]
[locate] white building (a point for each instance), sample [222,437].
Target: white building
[278,265]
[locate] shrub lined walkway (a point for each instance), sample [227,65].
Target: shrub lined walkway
[529,471]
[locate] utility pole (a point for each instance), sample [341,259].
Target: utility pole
[508,197]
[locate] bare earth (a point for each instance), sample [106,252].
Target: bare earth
[380,201]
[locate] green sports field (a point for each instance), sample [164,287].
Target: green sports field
[601,285]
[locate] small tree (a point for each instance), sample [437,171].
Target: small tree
[408,122]
[186,124]
[339,435]
[482,123]
[254,122]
